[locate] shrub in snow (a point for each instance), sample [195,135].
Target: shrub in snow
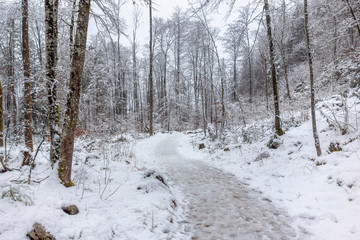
[157,181]
[336,113]
[274,142]
[17,194]
[201,146]
[262,155]
[334,147]
[154,174]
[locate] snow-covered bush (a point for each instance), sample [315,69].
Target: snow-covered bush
[18,193]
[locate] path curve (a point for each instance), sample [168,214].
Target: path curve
[220,207]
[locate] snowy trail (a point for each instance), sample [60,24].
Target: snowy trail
[220,206]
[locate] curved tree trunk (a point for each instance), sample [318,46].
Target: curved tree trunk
[73,98]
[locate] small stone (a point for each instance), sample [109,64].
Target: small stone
[71,210]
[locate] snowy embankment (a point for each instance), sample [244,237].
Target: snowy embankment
[321,194]
[118,197]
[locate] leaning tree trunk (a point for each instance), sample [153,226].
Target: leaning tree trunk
[278,129]
[27,84]
[73,98]
[51,10]
[312,90]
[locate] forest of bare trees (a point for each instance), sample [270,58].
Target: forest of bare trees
[190,75]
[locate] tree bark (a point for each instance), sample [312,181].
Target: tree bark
[73,98]
[312,90]
[151,86]
[1,118]
[354,16]
[283,50]
[71,30]
[51,10]
[11,75]
[27,82]
[278,129]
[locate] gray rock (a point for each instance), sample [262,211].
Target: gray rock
[71,210]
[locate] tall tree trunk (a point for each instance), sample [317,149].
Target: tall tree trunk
[235,86]
[177,78]
[73,98]
[354,16]
[51,10]
[1,118]
[11,75]
[134,75]
[2,128]
[250,76]
[71,30]
[283,50]
[151,85]
[277,124]
[266,80]
[312,90]
[27,82]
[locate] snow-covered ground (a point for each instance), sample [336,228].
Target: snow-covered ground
[117,196]
[320,194]
[164,187]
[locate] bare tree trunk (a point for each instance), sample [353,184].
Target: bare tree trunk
[151,85]
[235,86]
[71,30]
[27,83]
[177,78]
[51,10]
[250,77]
[134,75]
[278,129]
[283,51]
[266,80]
[136,22]
[11,75]
[354,16]
[73,98]
[312,90]
[1,118]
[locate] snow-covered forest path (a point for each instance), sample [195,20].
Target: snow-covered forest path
[219,205]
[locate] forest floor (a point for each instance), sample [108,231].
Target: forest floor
[164,187]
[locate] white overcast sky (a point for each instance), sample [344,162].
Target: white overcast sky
[164,9]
